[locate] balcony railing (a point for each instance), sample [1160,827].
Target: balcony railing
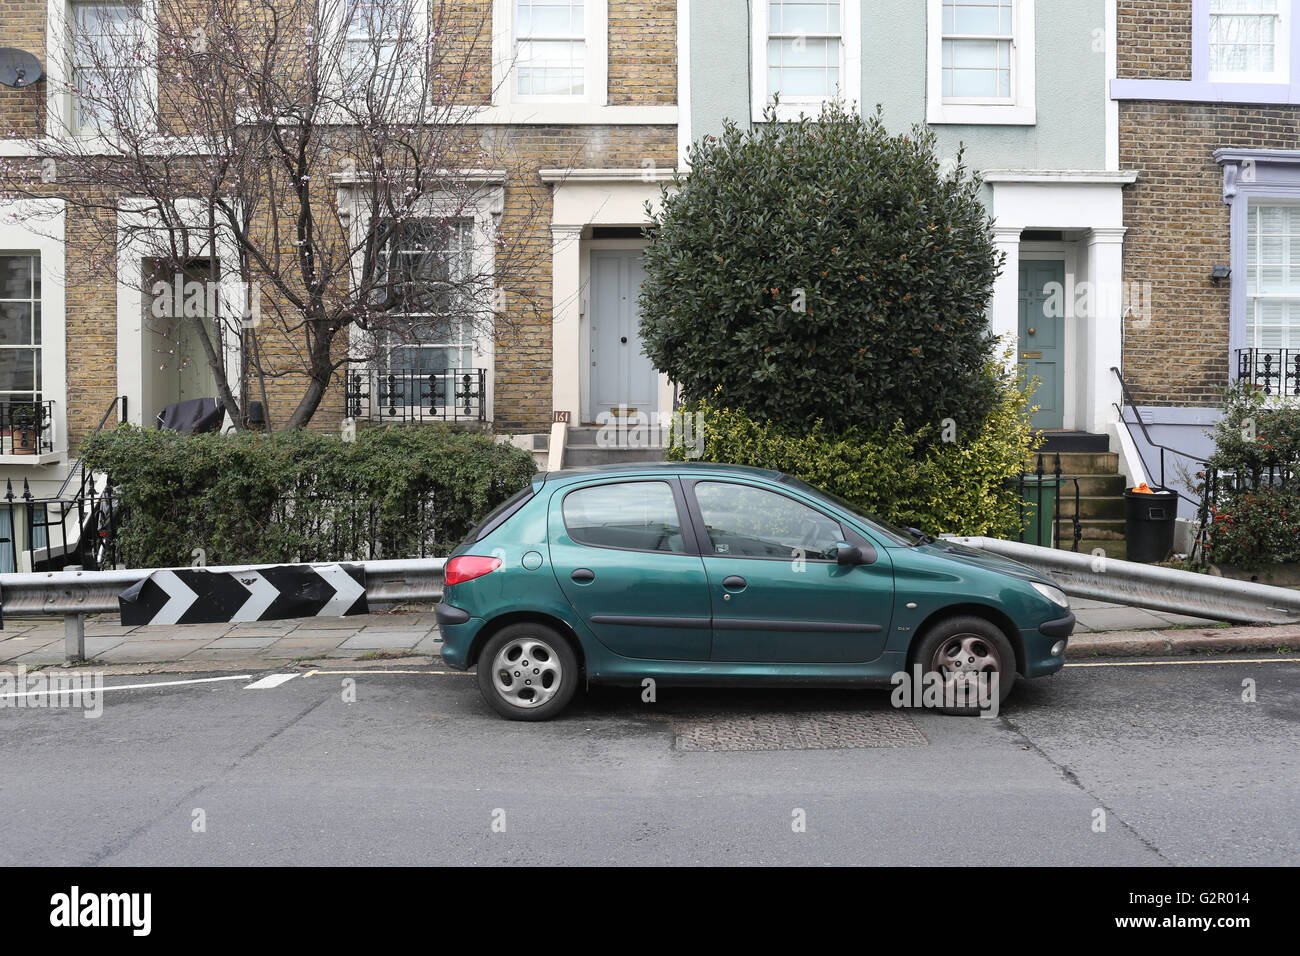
[1273,371]
[26,428]
[448,395]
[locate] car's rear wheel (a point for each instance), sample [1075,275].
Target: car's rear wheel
[527,671]
[967,652]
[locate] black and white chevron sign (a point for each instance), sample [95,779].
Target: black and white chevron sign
[198,596]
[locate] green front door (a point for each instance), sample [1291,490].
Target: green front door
[1042,337]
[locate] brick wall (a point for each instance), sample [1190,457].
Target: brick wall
[1155,39]
[22,25]
[642,51]
[1178,224]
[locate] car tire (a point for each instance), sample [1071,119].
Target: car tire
[963,645]
[527,671]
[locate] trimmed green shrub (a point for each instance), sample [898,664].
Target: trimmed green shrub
[252,497]
[823,271]
[1256,519]
[908,478]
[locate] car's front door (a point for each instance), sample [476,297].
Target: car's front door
[628,567]
[777,592]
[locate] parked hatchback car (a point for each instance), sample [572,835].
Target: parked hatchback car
[705,574]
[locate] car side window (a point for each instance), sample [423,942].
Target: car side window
[631,515]
[747,522]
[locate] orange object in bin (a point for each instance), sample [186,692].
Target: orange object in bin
[1142,489]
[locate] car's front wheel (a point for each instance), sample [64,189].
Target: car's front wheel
[527,672]
[967,653]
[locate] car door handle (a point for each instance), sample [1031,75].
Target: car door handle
[583,575]
[735,583]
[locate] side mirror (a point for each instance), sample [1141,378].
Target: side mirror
[846,555]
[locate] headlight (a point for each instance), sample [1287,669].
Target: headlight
[1055,595]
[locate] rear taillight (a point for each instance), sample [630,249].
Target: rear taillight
[468,567]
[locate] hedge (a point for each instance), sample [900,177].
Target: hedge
[908,478]
[299,495]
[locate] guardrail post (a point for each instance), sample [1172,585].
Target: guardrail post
[74,637]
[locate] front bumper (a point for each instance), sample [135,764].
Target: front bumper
[1039,642]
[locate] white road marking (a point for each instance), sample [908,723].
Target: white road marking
[330,670]
[1234,660]
[165,683]
[270,680]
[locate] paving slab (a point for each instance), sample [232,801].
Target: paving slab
[243,642]
[167,650]
[388,640]
[1119,619]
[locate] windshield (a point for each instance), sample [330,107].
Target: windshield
[886,531]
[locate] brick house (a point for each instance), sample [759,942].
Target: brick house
[595,126]
[1209,117]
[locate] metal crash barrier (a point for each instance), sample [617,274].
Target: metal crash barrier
[1144,585]
[72,594]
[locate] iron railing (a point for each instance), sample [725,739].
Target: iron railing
[1038,523]
[26,428]
[75,526]
[1272,371]
[447,395]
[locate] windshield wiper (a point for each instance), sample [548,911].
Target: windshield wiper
[921,536]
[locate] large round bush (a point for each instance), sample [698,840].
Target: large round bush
[824,270]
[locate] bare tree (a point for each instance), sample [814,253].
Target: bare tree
[310,170]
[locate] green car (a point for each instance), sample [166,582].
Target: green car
[704,574]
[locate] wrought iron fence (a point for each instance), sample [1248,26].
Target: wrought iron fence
[446,395]
[352,527]
[51,533]
[1274,371]
[1041,491]
[26,428]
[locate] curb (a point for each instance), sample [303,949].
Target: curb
[1171,643]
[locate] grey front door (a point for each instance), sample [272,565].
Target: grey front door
[1042,338]
[623,380]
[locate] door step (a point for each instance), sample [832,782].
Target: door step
[1073,441]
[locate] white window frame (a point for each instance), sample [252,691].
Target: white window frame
[485,214]
[36,227]
[1253,205]
[791,108]
[1017,110]
[596,73]
[339,33]
[62,96]
[1281,72]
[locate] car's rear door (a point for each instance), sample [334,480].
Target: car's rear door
[628,562]
[776,591]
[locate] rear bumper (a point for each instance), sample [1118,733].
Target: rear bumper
[457,630]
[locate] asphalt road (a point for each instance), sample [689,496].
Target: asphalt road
[418,771]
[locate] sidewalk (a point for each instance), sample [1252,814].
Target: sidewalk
[1103,630]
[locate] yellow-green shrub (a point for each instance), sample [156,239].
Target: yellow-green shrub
[907,478]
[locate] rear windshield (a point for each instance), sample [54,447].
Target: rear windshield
[499,515]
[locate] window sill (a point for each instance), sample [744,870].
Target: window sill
[791,112]
[45,458]
[980,114]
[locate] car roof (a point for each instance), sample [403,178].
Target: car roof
[659,467]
